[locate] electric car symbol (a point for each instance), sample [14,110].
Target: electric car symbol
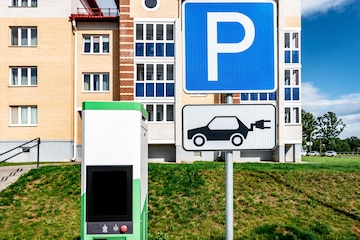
[223,128]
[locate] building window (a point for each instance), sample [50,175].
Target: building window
[96,82]
[154,40]
[151,4]
[155,69]
[292,115]
[154,80]
[254,96]
[96,44]
[272,96]
[23,76]
[292,47]
[244,97]
[24,3]
[263,96]
[160,112]
[287,115]
[292,82]
[23,36]
[296,115]
[23,115]
[258,96]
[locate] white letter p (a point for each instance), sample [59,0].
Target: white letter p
[214,47]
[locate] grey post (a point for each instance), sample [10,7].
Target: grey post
[229,187]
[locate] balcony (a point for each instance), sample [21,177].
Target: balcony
[95,14]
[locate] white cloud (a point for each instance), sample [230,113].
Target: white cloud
[311,7]
[352,126]
[346,107]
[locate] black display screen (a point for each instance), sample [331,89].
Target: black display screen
[109,193]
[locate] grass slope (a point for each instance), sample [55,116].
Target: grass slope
[187,201]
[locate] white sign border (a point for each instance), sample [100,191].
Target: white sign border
[276,63]
[229,106]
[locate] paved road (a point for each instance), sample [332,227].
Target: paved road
[10,174]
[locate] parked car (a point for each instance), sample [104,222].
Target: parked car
[330,153]
[313,153]
[303,152]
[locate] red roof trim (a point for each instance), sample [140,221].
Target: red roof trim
[83,17]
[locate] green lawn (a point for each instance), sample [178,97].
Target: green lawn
[316,200]
[340,159]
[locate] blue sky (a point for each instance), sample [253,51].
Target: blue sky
[331,60]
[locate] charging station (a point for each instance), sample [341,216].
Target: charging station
[114,171]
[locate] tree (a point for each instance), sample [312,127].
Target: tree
[341,145]
[354,143]
[328,128]
[308,125]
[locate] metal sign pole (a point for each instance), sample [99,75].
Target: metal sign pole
[229,187]
[205,72]
[229,196]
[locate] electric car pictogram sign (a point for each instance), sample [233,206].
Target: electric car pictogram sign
[216,130]
[228,127]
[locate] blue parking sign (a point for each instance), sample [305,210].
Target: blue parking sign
[229,46]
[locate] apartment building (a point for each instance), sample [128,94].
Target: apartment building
[55,54]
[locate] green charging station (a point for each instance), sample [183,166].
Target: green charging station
[114,171]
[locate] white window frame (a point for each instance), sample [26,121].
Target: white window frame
[154,39]
[153,79]
[164,102]
[293,43]
[258,100]
[102,40]
[292,78]
[23,116]
[294,81]
[30,35]
[24,3]
[101,82]
[19,72]
[157,117]
[292,115]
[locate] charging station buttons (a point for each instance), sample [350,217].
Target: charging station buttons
[123,229]
[105,228]
[108,228]
[116,228]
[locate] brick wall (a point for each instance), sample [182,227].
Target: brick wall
[126,42]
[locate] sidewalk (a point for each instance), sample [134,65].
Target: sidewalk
[10,174]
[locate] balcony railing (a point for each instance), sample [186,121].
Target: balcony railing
[95,13]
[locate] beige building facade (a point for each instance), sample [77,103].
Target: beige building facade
[54,55]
